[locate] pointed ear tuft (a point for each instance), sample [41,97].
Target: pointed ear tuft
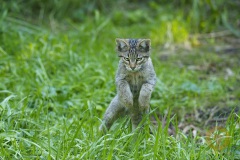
[121,45]
[145,45]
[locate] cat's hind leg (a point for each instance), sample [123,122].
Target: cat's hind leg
[136,118]
[113,112]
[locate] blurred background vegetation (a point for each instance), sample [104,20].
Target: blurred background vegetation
[37,31]
[43,29]
[181,17]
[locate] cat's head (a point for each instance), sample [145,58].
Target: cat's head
[133,52]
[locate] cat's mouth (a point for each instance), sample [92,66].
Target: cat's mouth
[132,69]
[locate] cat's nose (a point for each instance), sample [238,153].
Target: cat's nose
[133,67]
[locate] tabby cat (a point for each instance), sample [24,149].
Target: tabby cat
[135,81]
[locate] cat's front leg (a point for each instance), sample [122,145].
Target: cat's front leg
[125,94]
[144,96]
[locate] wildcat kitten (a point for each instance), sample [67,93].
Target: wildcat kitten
[135,81]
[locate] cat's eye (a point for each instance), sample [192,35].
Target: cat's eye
[139,59]
[141,48]
[126,58]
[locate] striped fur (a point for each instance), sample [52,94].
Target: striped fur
[133,52]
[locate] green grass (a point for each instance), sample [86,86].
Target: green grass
[57,81]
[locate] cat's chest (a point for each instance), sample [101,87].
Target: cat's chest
[135,78]
[135,81]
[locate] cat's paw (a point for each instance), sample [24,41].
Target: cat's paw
[102,129]
[143,103]
[128,101]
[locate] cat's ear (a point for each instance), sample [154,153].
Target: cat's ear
[121,45]
[145,45]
